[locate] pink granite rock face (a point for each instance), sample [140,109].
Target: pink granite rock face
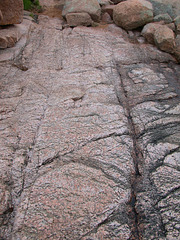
[69,196]
[89,137]
[12,12]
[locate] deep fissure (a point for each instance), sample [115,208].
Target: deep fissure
[137,156]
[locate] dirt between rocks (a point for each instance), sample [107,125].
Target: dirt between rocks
[52,8]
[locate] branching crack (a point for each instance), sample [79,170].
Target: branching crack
[167,194]
[107,219]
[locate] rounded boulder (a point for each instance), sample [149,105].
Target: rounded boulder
[164,39]
[133,14]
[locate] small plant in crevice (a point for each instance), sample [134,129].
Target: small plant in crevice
[34,16]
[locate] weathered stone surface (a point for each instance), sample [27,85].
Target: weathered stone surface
[171,26]
[108,9]
[5,198]
[15,38]
[71,195]
[9,36]
[164,39]
[177,47]
[163,17]
[51,3]
[89,137]
[177,23]
[79,6]
[1,16]
[52,8]
[104,2]
[133,13]
[166,6]
[117,1]
[149,30]
[160,35]
[106,18]
[159,138]
[77,19]
[12,12]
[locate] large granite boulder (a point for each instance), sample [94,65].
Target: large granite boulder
[12,11]
[79,6]
[164,39]
[160,35]
[133,14]
[149,30]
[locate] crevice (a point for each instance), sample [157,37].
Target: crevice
[133,215]
[9,210]
[49,160]
[137,157]
[81,145]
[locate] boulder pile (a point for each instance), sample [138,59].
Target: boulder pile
[77,7]
[158,21]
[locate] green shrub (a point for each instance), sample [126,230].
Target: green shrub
[27,4]
[31,5]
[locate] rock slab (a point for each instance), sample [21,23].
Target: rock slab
[12,12]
